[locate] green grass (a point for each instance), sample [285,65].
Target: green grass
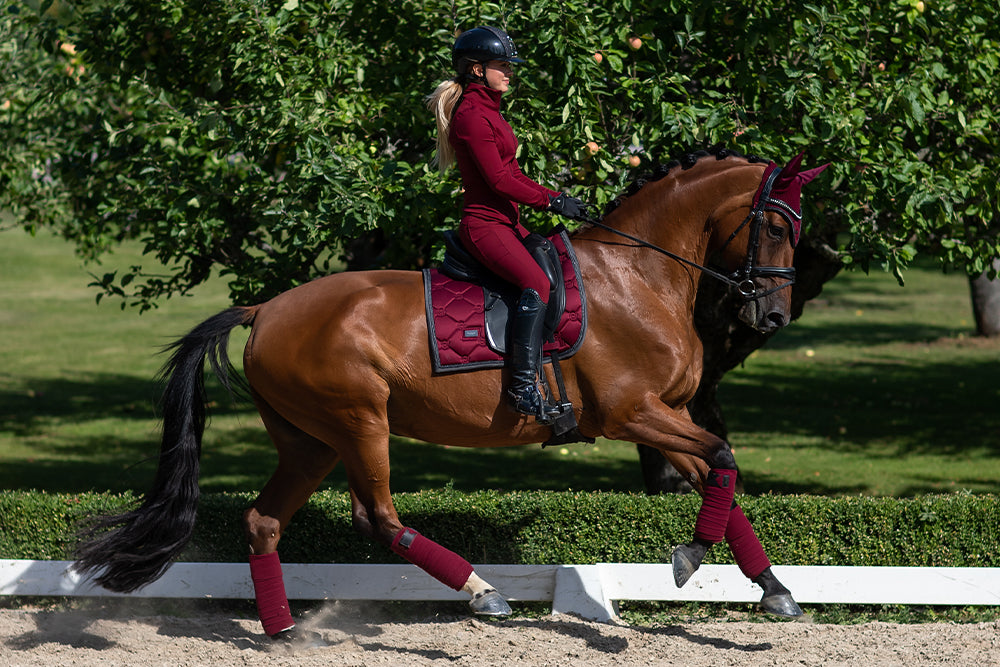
[875,390]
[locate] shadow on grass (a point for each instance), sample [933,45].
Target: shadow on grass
[917,407]
[800,335]
[762,483]
[88,397]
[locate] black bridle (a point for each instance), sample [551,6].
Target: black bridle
[742,280]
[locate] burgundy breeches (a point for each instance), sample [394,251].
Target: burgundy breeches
[499,248]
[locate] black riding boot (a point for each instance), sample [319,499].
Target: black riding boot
[526,354]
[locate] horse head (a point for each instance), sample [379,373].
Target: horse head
[757,248]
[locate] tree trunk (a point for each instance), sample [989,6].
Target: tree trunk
[727,343]
[986,302]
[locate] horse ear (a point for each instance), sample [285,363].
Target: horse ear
[806,176]
[791,171]
[792,167]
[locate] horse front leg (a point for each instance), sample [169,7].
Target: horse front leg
[708,463]
[749,556]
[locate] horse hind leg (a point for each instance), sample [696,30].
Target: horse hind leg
[444,565]
[374,515]
[303,463]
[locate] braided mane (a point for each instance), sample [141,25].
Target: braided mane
[684,162]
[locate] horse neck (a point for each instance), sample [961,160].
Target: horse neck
[675,213]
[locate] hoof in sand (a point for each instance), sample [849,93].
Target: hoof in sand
[293,636]
[490,603]
[781,605]
[684,564]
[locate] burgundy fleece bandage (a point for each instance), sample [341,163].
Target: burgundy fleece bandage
[446,566]
[746,548]
[269,589]
[716,502]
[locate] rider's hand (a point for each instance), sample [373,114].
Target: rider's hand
[569,207]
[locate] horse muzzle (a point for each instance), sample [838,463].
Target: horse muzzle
[763,315]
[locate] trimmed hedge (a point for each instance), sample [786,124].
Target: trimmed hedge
[556,527]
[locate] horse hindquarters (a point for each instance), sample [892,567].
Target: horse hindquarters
[320,361]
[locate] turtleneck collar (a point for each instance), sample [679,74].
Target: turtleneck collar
[485,95]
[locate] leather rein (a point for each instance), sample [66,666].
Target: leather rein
[742,280]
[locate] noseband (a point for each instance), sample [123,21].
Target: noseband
[743,277]
[742,280]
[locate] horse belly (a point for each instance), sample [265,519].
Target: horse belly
[461,410]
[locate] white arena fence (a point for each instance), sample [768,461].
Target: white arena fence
[590,591]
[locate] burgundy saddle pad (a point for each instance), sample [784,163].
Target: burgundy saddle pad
[457,316]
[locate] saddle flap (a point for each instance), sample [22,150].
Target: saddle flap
[547,257]
[501,297]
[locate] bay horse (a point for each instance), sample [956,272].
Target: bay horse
[336,365]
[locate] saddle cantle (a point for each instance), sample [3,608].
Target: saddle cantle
[468,307]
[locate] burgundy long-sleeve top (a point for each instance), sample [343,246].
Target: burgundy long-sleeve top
[485,149]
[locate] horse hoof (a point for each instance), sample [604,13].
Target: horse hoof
[685,564]
[299,638]
[490,603]
[781,605]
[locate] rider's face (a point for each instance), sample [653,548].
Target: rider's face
[498,73]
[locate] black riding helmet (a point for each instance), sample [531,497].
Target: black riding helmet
[481,45]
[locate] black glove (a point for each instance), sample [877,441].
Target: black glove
[566,206]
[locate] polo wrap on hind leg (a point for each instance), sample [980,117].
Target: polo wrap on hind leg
[446,566]
[746,548]
[269,591]
[716,503]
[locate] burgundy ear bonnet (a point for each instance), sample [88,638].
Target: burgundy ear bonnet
[785,196]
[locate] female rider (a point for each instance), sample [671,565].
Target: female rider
[472,133]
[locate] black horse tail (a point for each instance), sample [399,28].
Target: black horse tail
[130,550]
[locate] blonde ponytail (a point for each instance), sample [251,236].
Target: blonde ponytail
[442,102]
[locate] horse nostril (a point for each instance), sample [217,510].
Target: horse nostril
[776,319]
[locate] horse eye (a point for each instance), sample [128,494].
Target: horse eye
[776,231]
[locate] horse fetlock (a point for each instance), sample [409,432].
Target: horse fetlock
[722,458]
[475,585]
[770,583]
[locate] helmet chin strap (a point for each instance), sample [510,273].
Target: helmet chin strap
[478,78]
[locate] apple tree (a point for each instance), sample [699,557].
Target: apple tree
[275,141]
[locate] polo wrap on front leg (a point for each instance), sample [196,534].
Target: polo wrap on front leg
[716,503]
[746,548]
[269,591]
[446,566]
